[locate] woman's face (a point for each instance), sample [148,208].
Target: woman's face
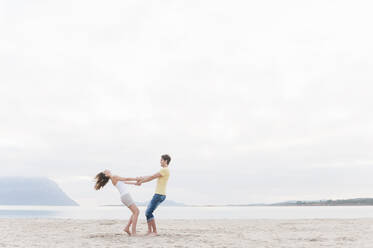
[107,173]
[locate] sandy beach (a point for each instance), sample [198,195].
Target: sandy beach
[355,233]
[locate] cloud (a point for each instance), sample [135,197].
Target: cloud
[237,93]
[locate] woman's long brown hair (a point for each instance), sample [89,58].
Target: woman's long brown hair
[101,180]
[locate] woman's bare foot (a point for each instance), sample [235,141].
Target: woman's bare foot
[127,230]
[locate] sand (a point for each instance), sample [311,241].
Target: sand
[357,233]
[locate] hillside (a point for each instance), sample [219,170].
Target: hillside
[32,191]
[343,202]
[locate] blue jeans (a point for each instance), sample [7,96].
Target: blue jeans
[154,203]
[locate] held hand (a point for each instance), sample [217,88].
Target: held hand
[138,183]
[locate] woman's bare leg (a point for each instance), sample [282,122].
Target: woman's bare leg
[127,228]
[135,215]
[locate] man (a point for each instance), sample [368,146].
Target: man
[160,192]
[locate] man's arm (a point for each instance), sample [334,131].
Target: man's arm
[150,178]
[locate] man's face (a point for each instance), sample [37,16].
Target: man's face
[163,162]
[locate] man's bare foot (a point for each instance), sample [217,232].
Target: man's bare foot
[152,234]
[127,230]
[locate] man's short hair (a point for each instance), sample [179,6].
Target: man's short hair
[166,158]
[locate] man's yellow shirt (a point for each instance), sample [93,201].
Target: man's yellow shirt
[162,181]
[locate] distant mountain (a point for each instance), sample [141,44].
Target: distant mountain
[344,202]
[32,191]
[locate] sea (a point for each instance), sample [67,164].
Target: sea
[190,213]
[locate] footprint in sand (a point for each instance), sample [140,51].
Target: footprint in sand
[105,235]
[107,223]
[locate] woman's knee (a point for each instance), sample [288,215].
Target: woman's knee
[136,211]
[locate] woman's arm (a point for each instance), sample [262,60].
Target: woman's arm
[133,183]
[126,179]
[114,178]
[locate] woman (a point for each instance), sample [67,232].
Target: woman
[120,183]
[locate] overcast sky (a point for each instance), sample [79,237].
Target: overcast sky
[255,101]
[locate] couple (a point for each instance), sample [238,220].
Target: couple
[120,183]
